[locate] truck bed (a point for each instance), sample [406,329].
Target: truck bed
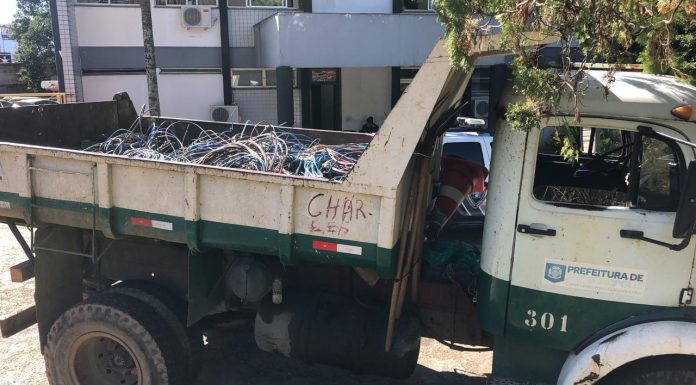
[294,218]
[46,179]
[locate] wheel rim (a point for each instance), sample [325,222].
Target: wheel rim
[98,358]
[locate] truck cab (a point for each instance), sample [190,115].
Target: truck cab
[579,254]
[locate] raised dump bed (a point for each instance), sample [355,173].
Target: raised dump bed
[293,217]
[47,178]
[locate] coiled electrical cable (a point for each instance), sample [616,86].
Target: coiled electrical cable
[257,147]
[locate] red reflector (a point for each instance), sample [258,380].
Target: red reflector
[325,246]
[142,222]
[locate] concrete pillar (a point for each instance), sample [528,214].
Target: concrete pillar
[284,99]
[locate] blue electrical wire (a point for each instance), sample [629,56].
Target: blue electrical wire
[258,148]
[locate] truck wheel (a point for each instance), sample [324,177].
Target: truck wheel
[112,339]
[173,311]
[667,370]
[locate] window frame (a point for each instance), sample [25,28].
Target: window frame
[602,123]
[679,155]
[285,4]
[97,3]
[264,78]
[429,9]
[158,3]
[404,82]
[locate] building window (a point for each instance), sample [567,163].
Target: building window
[418,5]
[256,77]
[107,2]
[263,3]
[406,77]
[187,2]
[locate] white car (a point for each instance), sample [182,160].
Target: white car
[474,146]
[31,102]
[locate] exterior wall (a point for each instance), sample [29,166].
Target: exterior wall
[364,92]
[169,32]
[189,95]
[303,40]
[8,78]
[259,105]
[242,23]
[352,6]
[69,52]
[96,27]
[8,73]
[103,87]
[363,35]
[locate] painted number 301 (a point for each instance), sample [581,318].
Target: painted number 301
[546,321]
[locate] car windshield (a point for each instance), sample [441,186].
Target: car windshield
[466,150]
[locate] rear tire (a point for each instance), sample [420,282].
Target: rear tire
[173,311]
[112,339]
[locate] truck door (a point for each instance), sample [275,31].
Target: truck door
[573,273]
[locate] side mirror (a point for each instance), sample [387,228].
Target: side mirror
[686,211]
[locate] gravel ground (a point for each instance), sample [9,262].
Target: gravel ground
[231,357]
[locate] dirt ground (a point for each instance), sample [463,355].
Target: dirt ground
[231,357]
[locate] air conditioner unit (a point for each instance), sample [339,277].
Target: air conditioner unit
[226,114]
[479,105]
[197,17]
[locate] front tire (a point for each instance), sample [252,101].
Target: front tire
[112,339]
[660,370]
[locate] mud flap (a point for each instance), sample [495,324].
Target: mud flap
[58,275]
[206,274]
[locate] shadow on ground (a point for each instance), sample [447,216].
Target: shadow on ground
[231,357]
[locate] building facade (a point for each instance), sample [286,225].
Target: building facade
[325,64]
[8,46]
[8,62]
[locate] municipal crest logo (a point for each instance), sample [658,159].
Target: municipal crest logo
[554,272]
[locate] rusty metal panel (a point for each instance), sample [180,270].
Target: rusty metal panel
[65,125]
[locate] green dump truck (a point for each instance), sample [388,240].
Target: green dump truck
[586,268]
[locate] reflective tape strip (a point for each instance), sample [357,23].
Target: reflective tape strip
[163,225]
[145,222]
[452,193]
[348,249]
[336,247]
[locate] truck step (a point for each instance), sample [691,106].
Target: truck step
[18,322]
[23,271]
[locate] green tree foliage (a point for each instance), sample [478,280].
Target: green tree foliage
[35,52]
[662,32]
